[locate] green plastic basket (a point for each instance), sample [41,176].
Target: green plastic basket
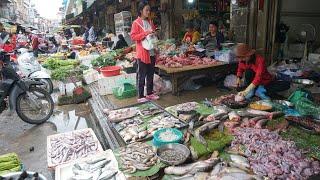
[127,91]
[158,142]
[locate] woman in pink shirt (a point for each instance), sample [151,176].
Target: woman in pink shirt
[141,28]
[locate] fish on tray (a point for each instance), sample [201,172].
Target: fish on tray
[121,114]
[94,169]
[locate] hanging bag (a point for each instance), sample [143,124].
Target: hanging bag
[149,42]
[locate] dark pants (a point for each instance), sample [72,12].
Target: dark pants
[272,88]
[35,52]
[145,72]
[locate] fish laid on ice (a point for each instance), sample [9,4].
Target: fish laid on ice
[204,129]
[99,164]
[192,168]
[93,161]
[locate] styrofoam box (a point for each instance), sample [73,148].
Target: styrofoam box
[106,84]
[91,76]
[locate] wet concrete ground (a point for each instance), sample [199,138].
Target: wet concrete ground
[30,141]
[170,100]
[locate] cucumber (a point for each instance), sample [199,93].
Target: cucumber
[9,157]
[8,165]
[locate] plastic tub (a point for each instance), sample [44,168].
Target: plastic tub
[159,142]
[110,71]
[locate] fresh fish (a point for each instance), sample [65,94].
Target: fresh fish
[238,176]
[192,168]
[203,129]
[78,171]
[217,169]
[233,116]
[108,174]
[99,164]
[142,134]
[261,113]
[239,162]
[197,176]
[82,177]
[96,174]
[93,161]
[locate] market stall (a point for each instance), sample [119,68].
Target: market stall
[179,76]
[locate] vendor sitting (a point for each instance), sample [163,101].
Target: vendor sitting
[192,36]
[259,81]
[213,39]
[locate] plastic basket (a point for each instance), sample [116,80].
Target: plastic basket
[158,142]
[127,91]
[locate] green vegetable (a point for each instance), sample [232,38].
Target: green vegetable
[9,157]
[53,63]
[104,60]
[9,163]
[62,73]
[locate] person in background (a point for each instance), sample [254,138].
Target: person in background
[141,28]
[92,35]
[73,33]
[4,36]
[258,80]
[191,36]
[35,43]
[121,43]
[213,39]
[86,34]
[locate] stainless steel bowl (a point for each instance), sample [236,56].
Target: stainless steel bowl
[16,175]
[179,148]
[284,103]
[307,82]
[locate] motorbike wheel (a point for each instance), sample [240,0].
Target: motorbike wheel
[35,109]
[48,85]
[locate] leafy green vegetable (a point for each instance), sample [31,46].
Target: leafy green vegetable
[104,60]
[216,141]
[54,63]
[62,73]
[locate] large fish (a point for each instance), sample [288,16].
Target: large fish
[238,176]
[193,168]
[204,129]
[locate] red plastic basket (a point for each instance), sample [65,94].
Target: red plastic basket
[110,71]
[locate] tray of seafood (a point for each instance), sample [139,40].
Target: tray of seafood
[148,118]
[103,165]
[67,147]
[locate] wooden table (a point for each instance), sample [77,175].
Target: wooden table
[179,76]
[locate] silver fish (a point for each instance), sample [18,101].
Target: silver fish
[197,176]
[99,164]
[82,177]
[218,168]
[203,129]
[192,168]
[239,162]
[238,176]
[94,161]
[107,174]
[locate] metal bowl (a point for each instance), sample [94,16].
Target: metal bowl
[179,148]
[284,103]
[16,175]
[307,82]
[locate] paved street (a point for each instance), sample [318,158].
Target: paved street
[30,142]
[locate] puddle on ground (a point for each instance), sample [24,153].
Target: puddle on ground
[67,121]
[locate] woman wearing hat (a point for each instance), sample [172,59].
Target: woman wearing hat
[257,78]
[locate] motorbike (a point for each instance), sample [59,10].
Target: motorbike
[33,105]
[29,67]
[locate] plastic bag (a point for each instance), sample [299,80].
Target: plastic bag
[303,103]
[231,81]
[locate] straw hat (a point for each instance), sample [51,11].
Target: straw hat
[243,50]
